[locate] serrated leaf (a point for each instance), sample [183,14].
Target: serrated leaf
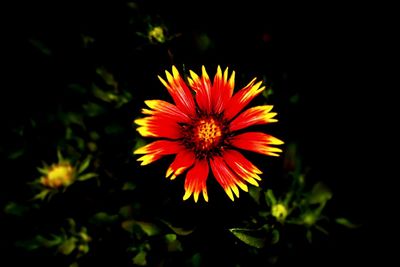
[84,165]
[345,222]
[87,176]
[249,237]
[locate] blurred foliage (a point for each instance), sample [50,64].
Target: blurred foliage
[93,204]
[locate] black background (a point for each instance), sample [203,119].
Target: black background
[323,53]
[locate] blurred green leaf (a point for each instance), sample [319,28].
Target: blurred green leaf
[275,236]
[345,222]
[309,236]
[68,246]
[125,211]
[149,229]
[178,230]
[15,209]
[93,109]
[107,77]
[173,244]
[320,193]
[42,194]
[16,154]
[255,193]
[103,218]
[114,129]
[249,237]
[41,47]
[140,258]
[87,176]
[84,165]
[128,186]
[270,198]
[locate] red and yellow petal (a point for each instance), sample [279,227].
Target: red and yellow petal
[222,89]
[158,126]
[202,88]
[242,98]
[253,116]
[195,182]
[226,178]
[156,150]
[242,167]
[183,160]
[179,91]
[257,142]
[165,109]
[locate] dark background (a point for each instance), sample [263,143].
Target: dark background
[319,53]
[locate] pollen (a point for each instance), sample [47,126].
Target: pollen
[207,134]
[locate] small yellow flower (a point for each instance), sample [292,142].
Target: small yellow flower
[59,175]
[157,34]
[279,211]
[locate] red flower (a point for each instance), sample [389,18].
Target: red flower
[202,131]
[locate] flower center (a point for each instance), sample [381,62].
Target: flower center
[207,134]
[204,136]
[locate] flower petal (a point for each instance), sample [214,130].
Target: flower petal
[226,178]
[242,98]
[242,167]
[158,126]
[257,142]
[156,150]
[195,181]
[165,109]
[253,116]
[222,89]
[183,160]
[179,91]
[202,88]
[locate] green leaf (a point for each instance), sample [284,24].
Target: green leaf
[16,154]
[320,194]
[15,209]
[249,237]
[345,222]
[309,236]
[255,193]
[107,77]
[173,244]
[150,229]
[132,226]
[178,230]
[41,47]
[103,218]
[140,258]
[128,186]
[84,165]
[68,246]
[59,156]
[93,109]
[87,176]
[42,195]
[275,236]
[270,198]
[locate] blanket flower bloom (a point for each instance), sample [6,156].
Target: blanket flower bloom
[202,130]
